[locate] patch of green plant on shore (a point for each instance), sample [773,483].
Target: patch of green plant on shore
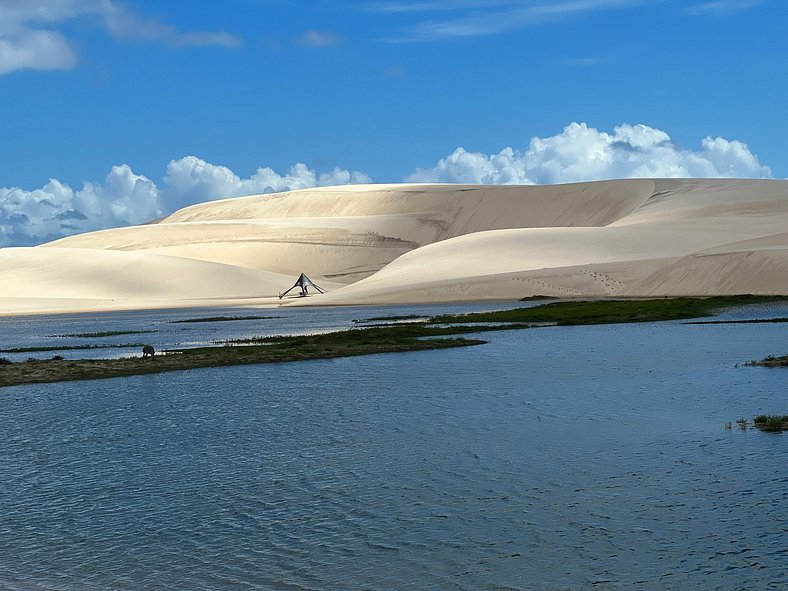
[268,350]
[752,321]
[612,311]
[394,337]
[222,319]
[536,298]
[95,335]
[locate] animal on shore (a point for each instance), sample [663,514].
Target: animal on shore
[147,351]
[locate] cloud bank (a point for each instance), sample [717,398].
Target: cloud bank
[578,153]
[29,217]
[582,153]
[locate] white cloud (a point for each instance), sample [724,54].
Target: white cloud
[29,38]
[40,50]
[722,7]
[192,180]
[437,5]
[494,17]
[55,210]
[581,153]
[125,24]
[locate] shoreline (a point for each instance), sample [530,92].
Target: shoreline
[378,338]
[271,303]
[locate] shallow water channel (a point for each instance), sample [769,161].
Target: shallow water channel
[548,459]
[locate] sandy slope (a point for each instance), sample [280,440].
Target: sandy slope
[413,243]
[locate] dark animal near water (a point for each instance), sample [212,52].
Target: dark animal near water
[148,350]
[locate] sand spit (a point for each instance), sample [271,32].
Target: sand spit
[379,244]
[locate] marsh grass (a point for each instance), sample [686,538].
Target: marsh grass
[751,321]
[770,361]
[266,350]
[613,311]
[391,318]
[439,332]
[222,319]
[773,423]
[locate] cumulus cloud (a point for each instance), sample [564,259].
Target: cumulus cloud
[192,180]
[29,38]
[55,210]
[40,50]
[582,153]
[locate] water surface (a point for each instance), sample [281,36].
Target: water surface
[549,459]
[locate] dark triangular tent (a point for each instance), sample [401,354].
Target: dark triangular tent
[304,283]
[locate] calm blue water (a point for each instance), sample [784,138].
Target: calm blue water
[548,459]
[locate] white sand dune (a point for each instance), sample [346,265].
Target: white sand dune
[376,244]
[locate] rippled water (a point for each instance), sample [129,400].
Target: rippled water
[548,459]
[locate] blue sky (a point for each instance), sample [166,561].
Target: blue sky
[383,88]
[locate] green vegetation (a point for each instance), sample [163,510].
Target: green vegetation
[70,348]
[770,361]
[537,298]
[390,318]
[753,321]
[774,423]
[612,311]
[222,319]
[268,350]
[388,338]
[95,335]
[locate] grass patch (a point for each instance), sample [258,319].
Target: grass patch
[773,423]
[391,318]
[96,335]
[222,319]
[612,311]
[266,350]
[439,332]
[753,321]
[770,361]
[536,298]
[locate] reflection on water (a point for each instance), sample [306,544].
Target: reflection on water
[548,459]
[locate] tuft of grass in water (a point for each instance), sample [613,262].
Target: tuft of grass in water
[772,423]
[95,335]
[770,361]
[222,319]
[536,298]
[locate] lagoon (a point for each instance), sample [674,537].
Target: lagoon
[547,459]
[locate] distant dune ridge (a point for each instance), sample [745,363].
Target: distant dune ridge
[378,244]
